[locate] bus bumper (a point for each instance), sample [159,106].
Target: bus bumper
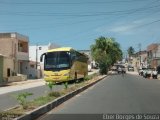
[57,79]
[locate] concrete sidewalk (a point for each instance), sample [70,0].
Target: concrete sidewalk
[16,86]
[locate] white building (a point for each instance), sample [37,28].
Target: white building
[35,51]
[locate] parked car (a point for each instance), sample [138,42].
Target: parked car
[144,74]
[150,72]
[112,71]
[141,71]
[130,68]
[154,74]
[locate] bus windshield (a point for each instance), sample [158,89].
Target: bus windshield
[57,60]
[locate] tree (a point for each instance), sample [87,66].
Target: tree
[130,51]
[105,51]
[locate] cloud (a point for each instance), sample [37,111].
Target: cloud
[121,29]
[125,28]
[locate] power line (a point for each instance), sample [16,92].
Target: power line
[80,14]
[128,13]
[70,3]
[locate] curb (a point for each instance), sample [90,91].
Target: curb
[49,106]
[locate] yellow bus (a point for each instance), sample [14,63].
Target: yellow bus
[64,64]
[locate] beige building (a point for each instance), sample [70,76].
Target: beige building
[14,49]
[141,59]
[154,55]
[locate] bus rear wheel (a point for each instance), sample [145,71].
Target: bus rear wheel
[75,77]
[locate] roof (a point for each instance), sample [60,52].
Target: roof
[60,49]
[14,35]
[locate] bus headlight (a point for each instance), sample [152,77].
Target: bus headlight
[67,74]
[46,75]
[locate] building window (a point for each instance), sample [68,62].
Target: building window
[8,72]
[40,48]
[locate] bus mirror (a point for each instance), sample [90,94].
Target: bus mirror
[41,58]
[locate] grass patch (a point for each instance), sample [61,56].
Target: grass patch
[54,94]
[40,101]
[9,115]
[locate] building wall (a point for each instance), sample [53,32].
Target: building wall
[22,56]
[153,55]
[8,64]
[15,47]
[23,67]
[157,52]
[32,71]
[40,50]
[37,73]
[7,47]
[1,69]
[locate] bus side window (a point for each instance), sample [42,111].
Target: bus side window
[73,56]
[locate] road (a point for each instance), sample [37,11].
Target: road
[8,99]
[115,94]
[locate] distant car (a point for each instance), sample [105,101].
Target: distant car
[121,69]
[112,72]
[130,68]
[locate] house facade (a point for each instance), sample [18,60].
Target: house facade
[141,59]
[153,55]
[14,49]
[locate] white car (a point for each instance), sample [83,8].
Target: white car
[154,74]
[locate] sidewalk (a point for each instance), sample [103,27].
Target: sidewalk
[16,86]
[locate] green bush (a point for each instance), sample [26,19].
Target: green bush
[22,99]
[50,85]
[66,85]
[103,68]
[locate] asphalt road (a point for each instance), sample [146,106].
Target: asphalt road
[115,94]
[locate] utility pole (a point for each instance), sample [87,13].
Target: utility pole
[36,56]
[139,45]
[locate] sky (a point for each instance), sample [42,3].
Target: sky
[77,23]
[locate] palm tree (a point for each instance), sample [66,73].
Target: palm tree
[105,51]
[130,51]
